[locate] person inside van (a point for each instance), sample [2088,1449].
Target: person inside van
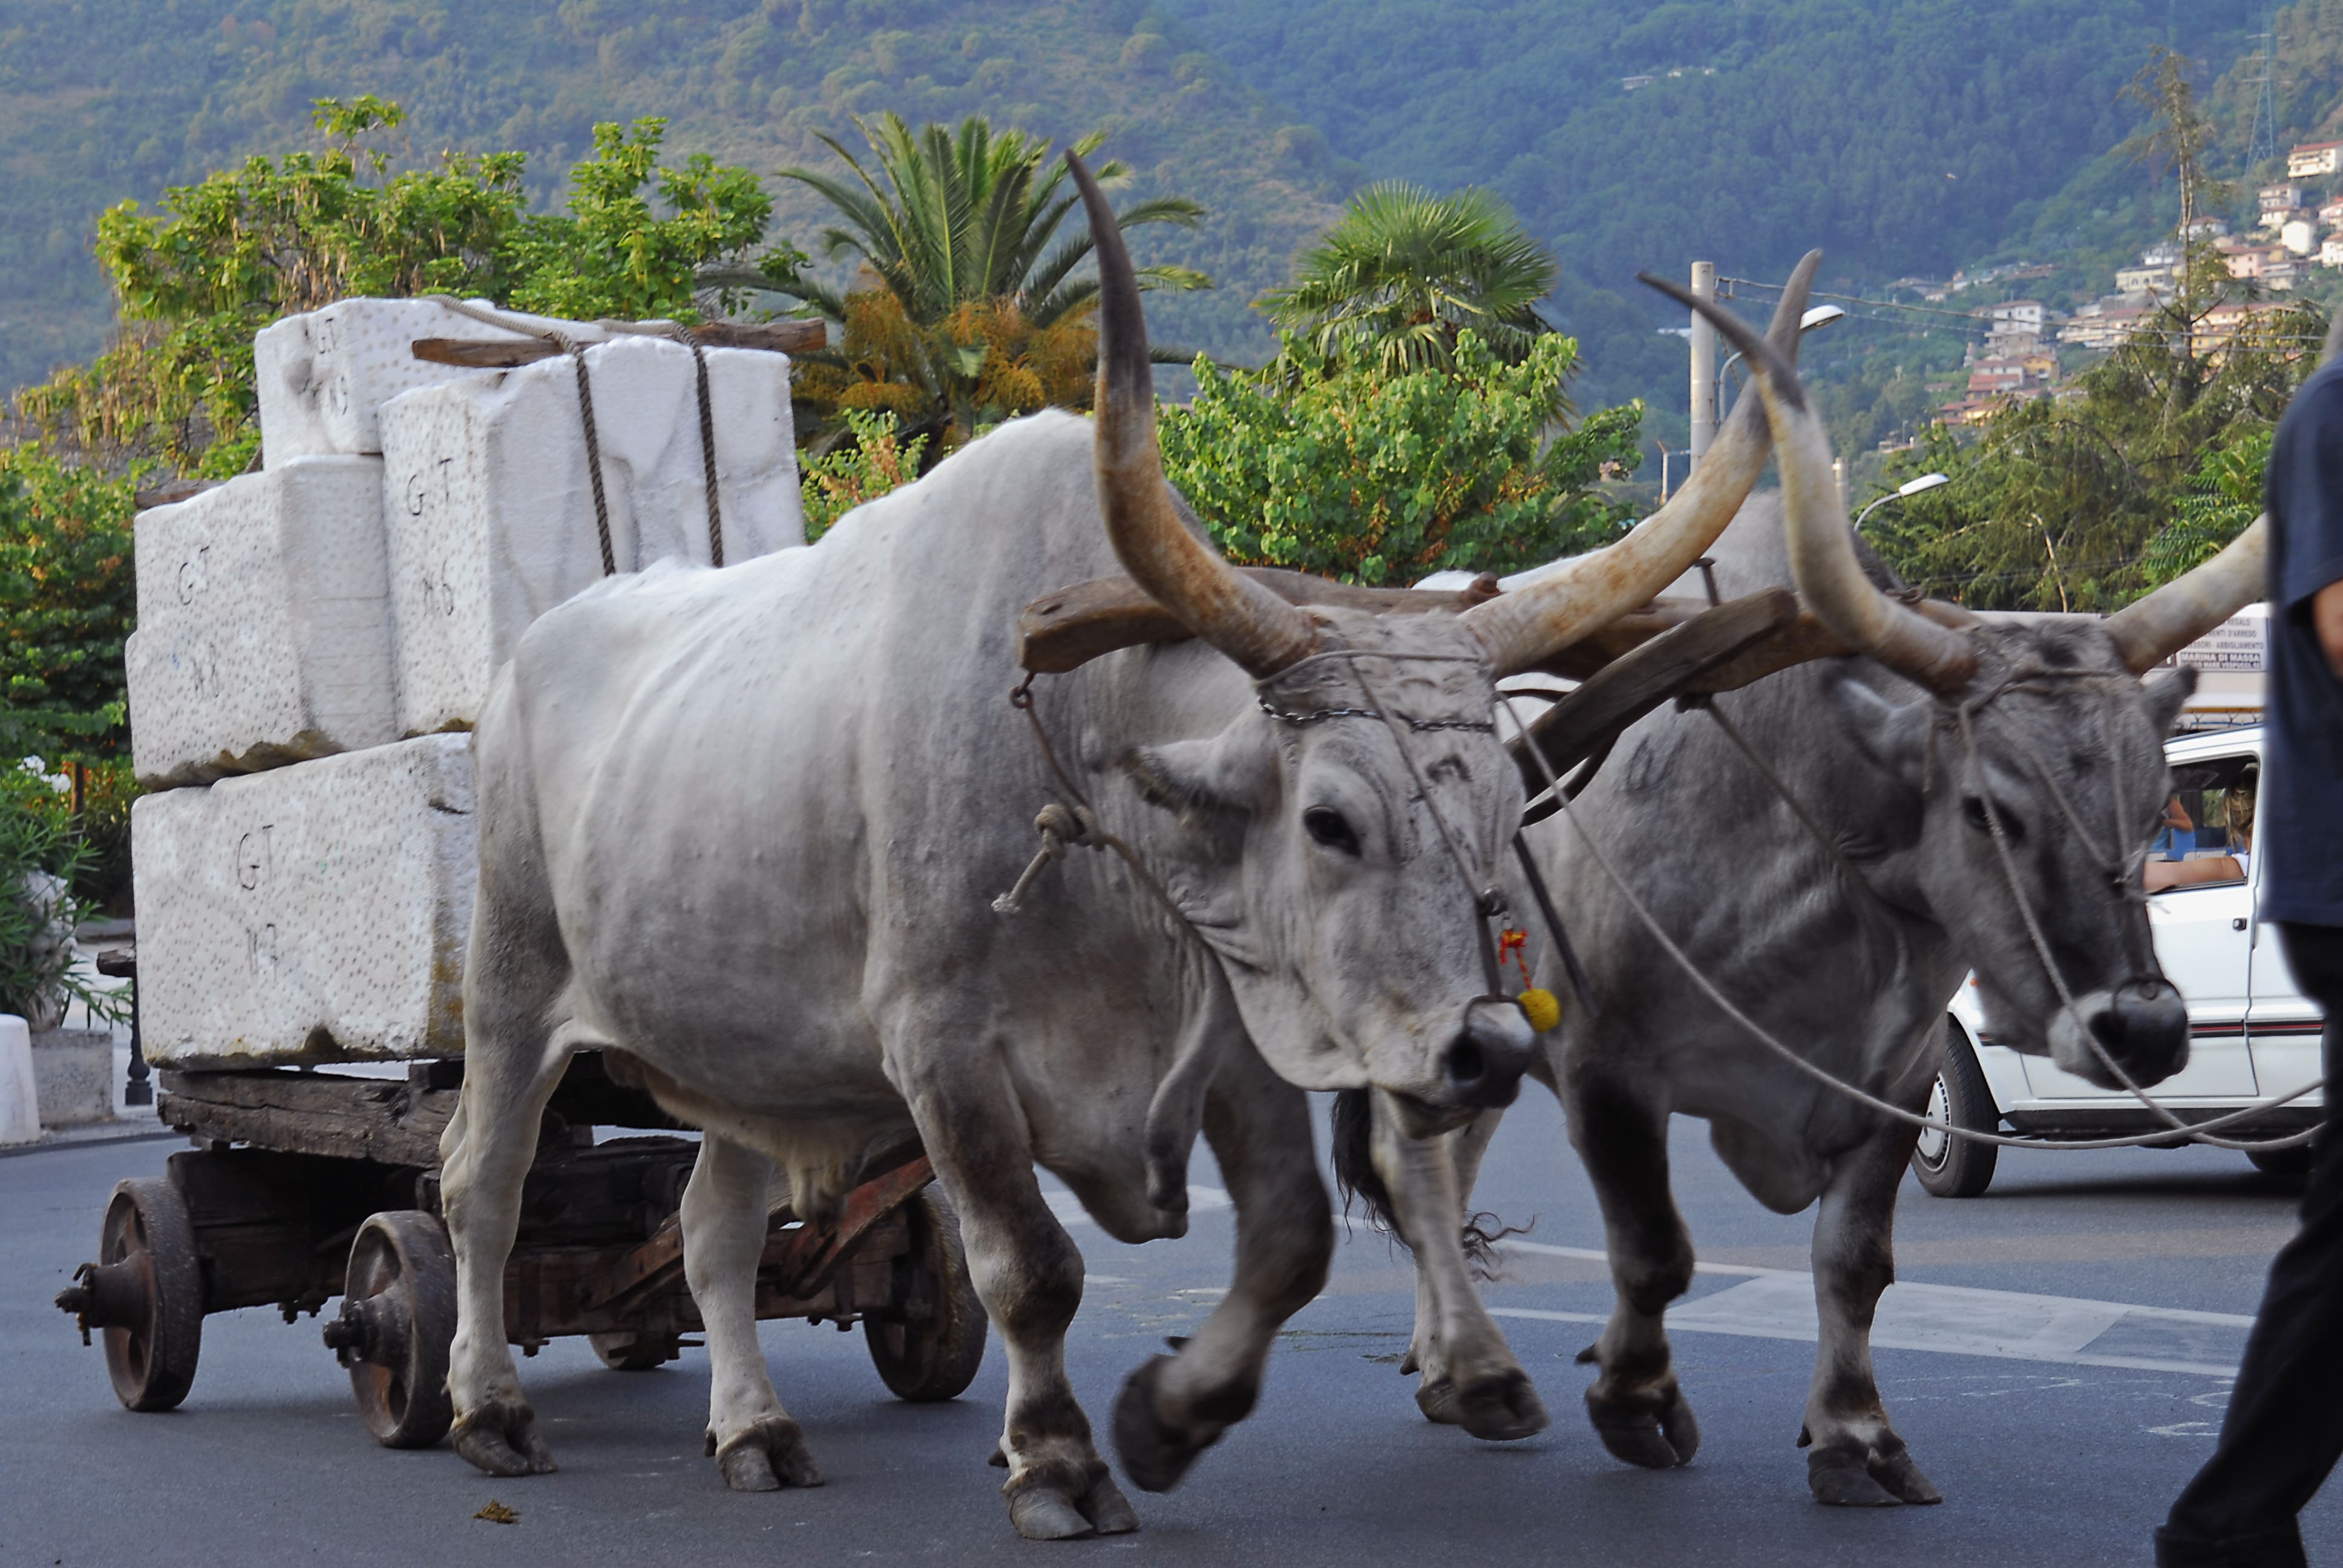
[2208,870]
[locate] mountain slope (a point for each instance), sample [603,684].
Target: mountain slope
[105,99]
[1900,136]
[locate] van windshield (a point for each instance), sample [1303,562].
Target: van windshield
[2206,836]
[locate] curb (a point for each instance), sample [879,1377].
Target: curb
[55,1141]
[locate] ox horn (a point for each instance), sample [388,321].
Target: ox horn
[1821,543]
[1524,629]
[2152,629]
[1260,631]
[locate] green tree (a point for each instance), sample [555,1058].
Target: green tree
[2082,503]
[1404,272]
[67,600]
[1378,478]
[225,257]
[959,228]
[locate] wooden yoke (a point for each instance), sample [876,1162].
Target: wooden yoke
[508,354]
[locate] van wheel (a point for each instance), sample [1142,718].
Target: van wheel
[1948,1166]
[2294,1162]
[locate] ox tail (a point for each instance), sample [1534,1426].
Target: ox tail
[1355,1177]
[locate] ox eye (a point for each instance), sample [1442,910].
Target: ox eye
[1330,828]
[1973,812]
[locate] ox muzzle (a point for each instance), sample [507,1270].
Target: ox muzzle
[1483,1066]
[2142,1026]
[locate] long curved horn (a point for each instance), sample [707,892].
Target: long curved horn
[1821,543]
[2150,631]
[1523,628]
[1244,620]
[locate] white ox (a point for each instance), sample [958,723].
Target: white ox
[745,826]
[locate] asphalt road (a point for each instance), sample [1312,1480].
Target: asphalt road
[2062,1340]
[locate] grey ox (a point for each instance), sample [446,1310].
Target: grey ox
[1852,961]
[743,830]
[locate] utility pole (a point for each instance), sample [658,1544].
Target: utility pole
[1703,362]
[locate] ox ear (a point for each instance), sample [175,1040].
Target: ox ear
[1894,737]
[1200,782]
[2166,693]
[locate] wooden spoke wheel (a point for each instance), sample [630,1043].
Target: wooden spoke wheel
[930,1346]
[147,1291]
[398,1321]
[636,1353]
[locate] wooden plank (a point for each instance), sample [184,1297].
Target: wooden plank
[382,1119]
[508,354]
[1641,680]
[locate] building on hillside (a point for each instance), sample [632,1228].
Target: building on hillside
[1630,84]
[1992,378]
[2331,253]
[2330,212]
[2284,275]
[2299,235]
[2144,279]
[2103,324]
[2164,253]
[2204,229]
[2280,202]
[2225,322]
[2253,262]
[2308,160]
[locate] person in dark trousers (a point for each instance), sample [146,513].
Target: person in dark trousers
[2283,1428]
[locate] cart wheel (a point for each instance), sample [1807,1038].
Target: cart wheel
[151,1289]
[936,1356]
[636,1353]
[399,1318]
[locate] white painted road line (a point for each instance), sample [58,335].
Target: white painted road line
[1952,1320]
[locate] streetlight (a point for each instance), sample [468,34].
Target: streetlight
[1909,488]
[1814,320]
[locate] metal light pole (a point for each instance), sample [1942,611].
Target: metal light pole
[1814,320]
[1703,362]
[1909,488]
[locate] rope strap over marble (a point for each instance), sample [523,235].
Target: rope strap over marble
[568,344]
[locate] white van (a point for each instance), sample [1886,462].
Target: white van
[2251,1034]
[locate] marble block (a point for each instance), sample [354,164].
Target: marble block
[315,913]
[73,1076]
[264,624]
[491,512]
[321,376]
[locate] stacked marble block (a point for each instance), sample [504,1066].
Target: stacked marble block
[315,638]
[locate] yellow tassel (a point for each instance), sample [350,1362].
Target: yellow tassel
[1539,1006]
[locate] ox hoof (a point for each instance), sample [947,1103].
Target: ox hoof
[500,1437]
[770,1455]
[1437,1397]
[1655,1429]
[1041,1511]
[1501,1407]
[1848,1475]
[1154,1452]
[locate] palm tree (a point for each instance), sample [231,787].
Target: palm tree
[1405,271]
[969,306]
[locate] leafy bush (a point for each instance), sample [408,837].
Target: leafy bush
[1372,478]
[41,859]
[875,461]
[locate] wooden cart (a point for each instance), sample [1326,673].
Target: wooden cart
[310,1185]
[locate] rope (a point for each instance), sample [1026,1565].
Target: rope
[1758,1031]
[577,352]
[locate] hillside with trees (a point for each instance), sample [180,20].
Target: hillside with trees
[1904,136]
